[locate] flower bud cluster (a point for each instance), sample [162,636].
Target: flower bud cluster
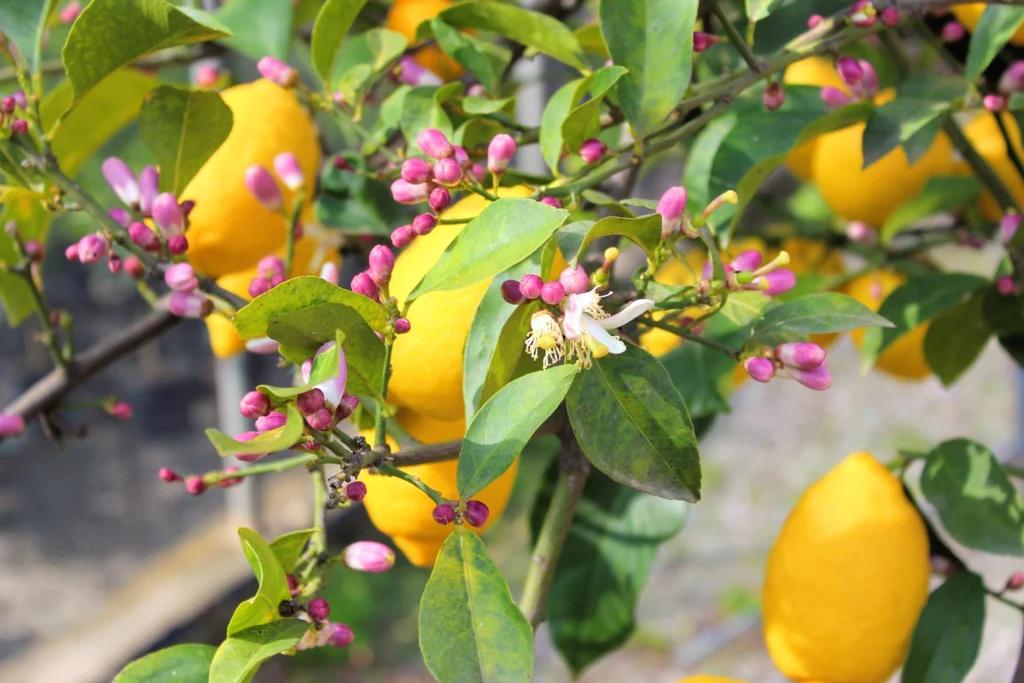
[803,361]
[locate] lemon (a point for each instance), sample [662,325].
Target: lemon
[846,578]
[674,272]
[405,15]
[704,678]
[821,72]
[229,229]
[969,15]
[904,358]
[984,134]
[871,194]
[426,362]
[405,514]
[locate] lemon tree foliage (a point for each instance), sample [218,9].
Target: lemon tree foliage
[459,278]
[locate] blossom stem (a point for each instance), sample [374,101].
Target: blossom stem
[392,471]
[318,541]
[380,419]
[734,36]
[293,224]
[282,465]
[978,164]
[710,343]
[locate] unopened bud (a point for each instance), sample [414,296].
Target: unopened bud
[11,424]
[177,244]
[1016,581]
[834,97]
[288,169]
[444,513]
[121,180]
[553,202]
[368,556]
[254,404]
[530,286]
[552,293]
[262,186]
[168,215]
[363,284]
[270,421]
[671,207]
[1012,79]
[318,609]
[802,355]
[92,248]
[952,32]
[181,278]
[434,143]
[405,192]
[382,262]
[574,280]
[995,103]
[133,267]
[500,152]
[702,41]
[593,150]
[447,172]
[144,237]
[194,485]
[416,171]
[476,513]
[423,224]
[402,326]
[439,200]
[774,96]
[759,368]
[168,475]
[278,72]
[189,305]
[510,292]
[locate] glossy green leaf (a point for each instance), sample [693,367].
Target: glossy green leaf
[995,28]
[634,426]
[110,34]
[239,657]
[759,9]
[355,204]
[500,430]
[183,128]
[644,231]
[584,121]
[420,109]
[701,158]
[704,376]
[533,29]
[288,548]
[329,29]
[947,638]
[364,60]
[814,314]
[259,27]
[470,630]
[955,339]
[788,20]
[272,441]
[555,112]
[24,23]
[253,319]
[502,235]
[654,40]
[188,663]
[916,301]
[261,608]
[486,60]
[974,497]
[325,366]
[895,123]
[941,193]
[509,359]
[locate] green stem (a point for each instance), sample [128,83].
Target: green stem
[282,465]
[380,419]
[735,37]
[710,343]
[392,471]
[978,164]
[318,541]
[293,224]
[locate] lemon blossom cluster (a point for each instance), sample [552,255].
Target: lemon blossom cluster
[804,362]
[860,78]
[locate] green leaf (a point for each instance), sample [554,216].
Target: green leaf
[288,548]
[941,193]
[500,430]
[259,27]
[108,108]
[420,109]
[555,112]
[183,128]
[634,426]
[644,231]
[956,338]
[896,122]
[584,121]
[533,29]
[703,375]
[261,608]
[996,27]
[349,200]
[701,158]
[947,638]
[509,361]
[239,657]
[916,301]
[486,60]
[24,22]
[759,9]
[975,499]
[188,663]
[654,40]
[470,630]
[814,314]
[272,441]
[325,366]
[329,29]
[110,34]
[253,319]
[506,232]
[363,60]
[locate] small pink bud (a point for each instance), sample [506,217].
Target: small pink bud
[254,404]
[1016,581]
[92,248]
[20,99]
[121,410]
[277,71]
[818,379]
[168,475]
[19,127]
[270,421]
[444,513]
[348,403]
[207,75]
[814,20]
[779,281]
[423,223]
[114,263]
[405,192]
[168,215]
[952,32]
[363,284]
[747,261]
[860,232]
[71,252]
[248,457]
[149,188]
[355,491]
[329,272]
[434,143]
[553,202]
[416,171]
[382,262]
[340,635]
[834,97]
[181,278]
[593,150]
[802,355]
[1012,79]
[402,235]
[270,266]
[259,285]
[289,170]
[477,172]
[447,172]
[574,280]
[120,216]
[476,513]
[310,401]
[702,41]
[189,305]
[759,368]
[863,14]
[510,292]
[995,103]
[194,485]
[70,12]
[34,250]
[891,16]
[461,156]
[11,424]
[552,293]
[7,105]
[177,244]
[411,73]
[144,237]
[868,85]
[500,152]
[262,186]
[133,267]
[121,180]
[440,198]
[671,206]
[1008,226]
[849,70]
[773,96]
[530,286]
[368,556]
[402,326]
[318,609]
[228,482]
[1005,285]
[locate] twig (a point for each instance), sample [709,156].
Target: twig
[978,164]
[710,343]
[272,467]
[392,471]
[419,455]
[735,37]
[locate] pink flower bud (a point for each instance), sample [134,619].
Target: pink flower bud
[477,172]
[747,261]
[248,457]
[444,513]
[120,216]
[133,267]
[329,272]
[310,401]
[891,16]
[271,420]
[461,156]
[70,12]
[168,215]
[440,198]
[289,170]
[510,292]
[122,410]
[405,192]
[416,171]
[189,305]
[143,236]
[779,281]
[368,556]
[269,266]
[423,224]
[363,284]
[259,285]
[1005,285]
[402,326]
[194,485]
[401,236]
[411,73]
[671,206]
[434,143]
[834,97]
[952,32]
[348,402]
[318,609]
[574,280]
[818,379]
[759,368]
[71,252]
[1008,226]
[340,635]
[814,20]
[476,513]
[995,103]
[262,186]
[177,244]
[149,187]
[702,41]
[121,180]
[7,105]
[500,153]
[92,248]
[1012,79]
[34,250]
[863,14]
[277,71]
[254,404]
[206,75]
[530,286]
[801,355]
[553,202]
[114,263]
[593,150]
[849,70]
[181,278]
[447,172]
[1016,581]
[868,85]
[860,232]
[355,491]
[19,127]
[773,96]
[11,424]
[20,99]
[552,293]
[168,475]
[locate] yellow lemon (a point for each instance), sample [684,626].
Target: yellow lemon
[405,514]
[904,358]
[229,229]
[426,362]
[704,678]
[870,194]
[969,15]
[983,132]
[846,578]
[821,72]
[405,15]
[674,272]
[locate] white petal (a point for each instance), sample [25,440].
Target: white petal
[630,311]
[595,330]
[571,322]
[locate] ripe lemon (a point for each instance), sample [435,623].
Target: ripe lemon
[704,678]
[426,362]
[870,194]
[846,578]
[674,272]
[821,72]
[969,15]
[402,512]
[984,134]
[229,229]
[904,358]
[405,15]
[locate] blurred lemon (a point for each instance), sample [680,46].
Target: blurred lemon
[904,358]
[817,71]
[846,578]
[405,514]
[970,14]
[229,229]
[405,16]
[983,132]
